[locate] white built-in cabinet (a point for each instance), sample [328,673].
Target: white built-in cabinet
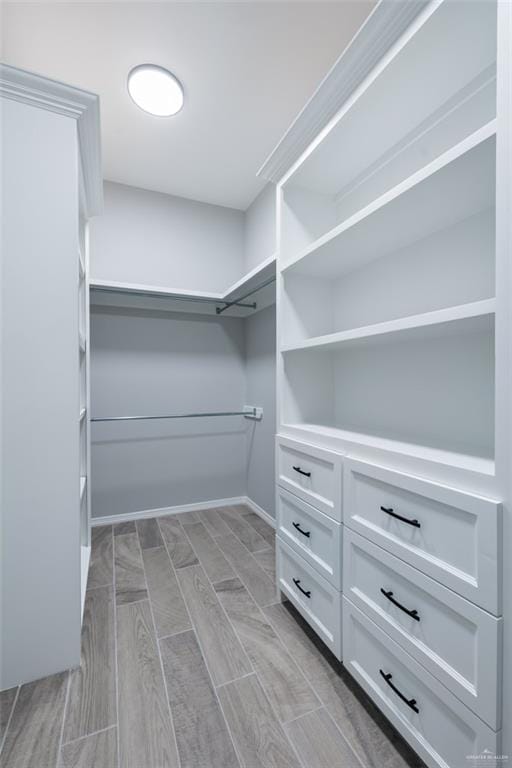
[51,185]
[393,447]
[84,405]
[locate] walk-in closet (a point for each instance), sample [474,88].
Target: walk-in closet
[256,384]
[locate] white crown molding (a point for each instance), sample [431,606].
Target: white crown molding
[41,92]
[382,28]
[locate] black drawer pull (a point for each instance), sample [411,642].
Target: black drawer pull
[413,614]
[304,533]
[301,472]
[304,592]
[389,511]
[410,702]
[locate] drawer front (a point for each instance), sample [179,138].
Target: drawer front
[439,727]
[312,534]
[311,594]
[448,534]
[455,640]
[312,474]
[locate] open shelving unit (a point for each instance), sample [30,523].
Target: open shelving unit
[83,421]
[387,268]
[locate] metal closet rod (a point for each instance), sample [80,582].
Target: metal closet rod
[196,299]
[249,413]
[229,304]
[158,295]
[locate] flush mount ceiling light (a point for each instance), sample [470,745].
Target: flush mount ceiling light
[155,90]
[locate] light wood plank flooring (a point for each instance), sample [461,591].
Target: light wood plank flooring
[189,660]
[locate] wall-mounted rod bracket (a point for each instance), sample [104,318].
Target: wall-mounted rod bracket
[252,412]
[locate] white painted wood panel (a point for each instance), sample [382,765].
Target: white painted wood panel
[452,536]
[443,731]
[432,393]
[455,640]
[311,473]
[41,563]
[390,222]
[373,142]
[313,535]
[317,600]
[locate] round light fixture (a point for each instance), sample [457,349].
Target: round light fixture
[155,90]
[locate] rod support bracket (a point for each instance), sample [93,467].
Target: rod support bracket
[252,412]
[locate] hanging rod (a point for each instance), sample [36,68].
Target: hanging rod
[236,302]
[250,412]
[173,296]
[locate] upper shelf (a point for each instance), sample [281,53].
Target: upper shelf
[473,317]
[247,290]
[453,187]
[389,112]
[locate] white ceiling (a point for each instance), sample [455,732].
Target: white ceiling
[247,69]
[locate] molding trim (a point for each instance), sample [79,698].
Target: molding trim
[261,512]
[382,28]
[82,106]
[161,511]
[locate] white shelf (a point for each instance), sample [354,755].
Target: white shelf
[111,293]
[153,290]
[252,279]
[462,461]
[378,110]
[458,184]
[473,317]
[83,483]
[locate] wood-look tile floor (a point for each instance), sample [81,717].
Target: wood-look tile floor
[190,661]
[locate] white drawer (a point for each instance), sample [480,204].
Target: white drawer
[454,639]
[312,534]
[313,474]
[448,534]
[311,594]
[439,727]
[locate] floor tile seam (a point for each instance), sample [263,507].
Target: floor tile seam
[324,702]
[164,681]
[9,719]
[201,651]
[88,735]
[116,659]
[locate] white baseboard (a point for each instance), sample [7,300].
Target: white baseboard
[260,511]
[161,511]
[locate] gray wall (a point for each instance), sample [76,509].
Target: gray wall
[153,362]
[155,239]
[147,361]
[260,356]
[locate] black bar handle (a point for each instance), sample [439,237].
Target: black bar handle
[410,702]
[304,533]
[389,511]
[301,472]
[413,614]
[304,592]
